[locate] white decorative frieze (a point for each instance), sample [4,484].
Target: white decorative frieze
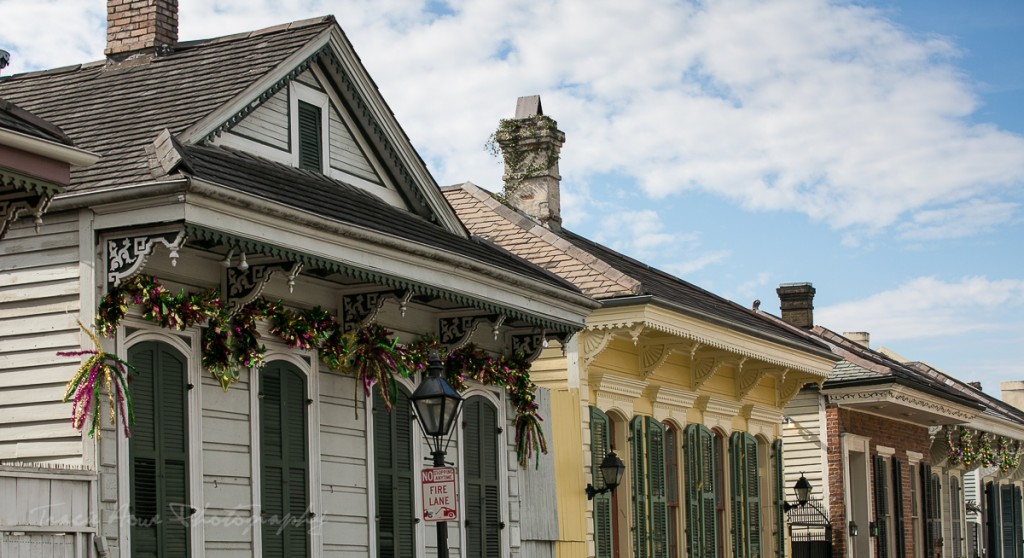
[126,256]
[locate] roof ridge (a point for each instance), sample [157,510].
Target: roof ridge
[298,24]
[551,237]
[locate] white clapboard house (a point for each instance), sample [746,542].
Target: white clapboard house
[267,167]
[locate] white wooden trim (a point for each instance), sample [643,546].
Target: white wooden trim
[861,444]
[151,332]
[255,477]
[299,92]
[885,451]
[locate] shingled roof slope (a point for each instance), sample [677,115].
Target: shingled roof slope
[686,295]
[117,109]
[316,193]
[600,271]
[993,406]
[17,119]
[487,217]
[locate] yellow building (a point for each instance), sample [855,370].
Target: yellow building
[684,386]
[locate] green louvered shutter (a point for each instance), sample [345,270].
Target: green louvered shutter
[1008,521]
[694,483]
[638,461]
[711,455]
[753,496]
[780,500]
[480,478]
[881,511]
[158,452]
[599,448]
[897,498]
[928,507]
[394,475]
[310,138]
[1017,542]
[672,476]
[284,457]
[992,509]
[656,487]
[737,474]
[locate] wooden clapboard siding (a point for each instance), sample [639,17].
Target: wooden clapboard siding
[343,476]
[308,79]
[804,440]
[345,153]
[227,474]
[268,124]
[39,303]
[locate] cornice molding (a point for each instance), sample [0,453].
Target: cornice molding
[900,396]
[718,412]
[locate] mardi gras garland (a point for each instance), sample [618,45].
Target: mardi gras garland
[231,343]
[967,447]
[100,369]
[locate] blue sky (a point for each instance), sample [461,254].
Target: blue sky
[874,148]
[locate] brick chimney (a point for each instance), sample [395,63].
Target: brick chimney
[530,145]
[796,302]
[140,26]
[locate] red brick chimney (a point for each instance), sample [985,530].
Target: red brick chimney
[796,302]
[140,26]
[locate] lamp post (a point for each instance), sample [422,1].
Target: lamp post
[437,406]
[611,473]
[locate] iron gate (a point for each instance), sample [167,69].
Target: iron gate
[810,532]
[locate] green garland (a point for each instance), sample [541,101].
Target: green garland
[231,343]
[968,446]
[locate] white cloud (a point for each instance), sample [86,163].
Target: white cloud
[643,236]
[806,105]
[927,308]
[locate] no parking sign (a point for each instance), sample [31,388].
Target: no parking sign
[440,502]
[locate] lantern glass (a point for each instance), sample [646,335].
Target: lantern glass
[612,469]
[436,402]
[803,490]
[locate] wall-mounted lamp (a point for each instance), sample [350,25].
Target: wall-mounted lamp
[873,529]
[802,488]
[611,473]
[854,530]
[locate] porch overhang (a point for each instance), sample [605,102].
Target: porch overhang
[900,402]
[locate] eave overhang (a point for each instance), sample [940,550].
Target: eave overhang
[629,313]
[900,402]
[48,149]
[213,213]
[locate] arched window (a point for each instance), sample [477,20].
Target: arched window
[704,537]
[284,460]
[481,437]
[746,495]
[158,452]
[394,476]
[647,457]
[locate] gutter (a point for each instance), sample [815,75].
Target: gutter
[47,148]
[650,299]
[112,194]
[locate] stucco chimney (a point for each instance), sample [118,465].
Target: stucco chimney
[140,26]
[860,337]
[530,145]
[796,303]
[1012,393]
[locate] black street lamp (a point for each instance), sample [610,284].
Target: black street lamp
[611,473]
[437,406]
[802,488]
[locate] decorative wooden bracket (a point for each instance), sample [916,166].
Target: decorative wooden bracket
[704,369]
[594,343]
[456,332]
[245,285]
[634,333]
[788,389]
[529,344]
[748,377]
[360,309]
[126,256]
[653,355]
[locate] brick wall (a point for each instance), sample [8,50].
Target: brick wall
[135,26]
[901,436]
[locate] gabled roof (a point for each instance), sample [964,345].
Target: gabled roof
[117,109]
[605,274]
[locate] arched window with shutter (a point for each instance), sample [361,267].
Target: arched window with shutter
[158,452]
[600,446]
[650,521]
[702,526]
[672,498]
[394,476]
[284,460]
[481,476]
[746,495]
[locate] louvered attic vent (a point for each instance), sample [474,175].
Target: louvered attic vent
[310,138]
